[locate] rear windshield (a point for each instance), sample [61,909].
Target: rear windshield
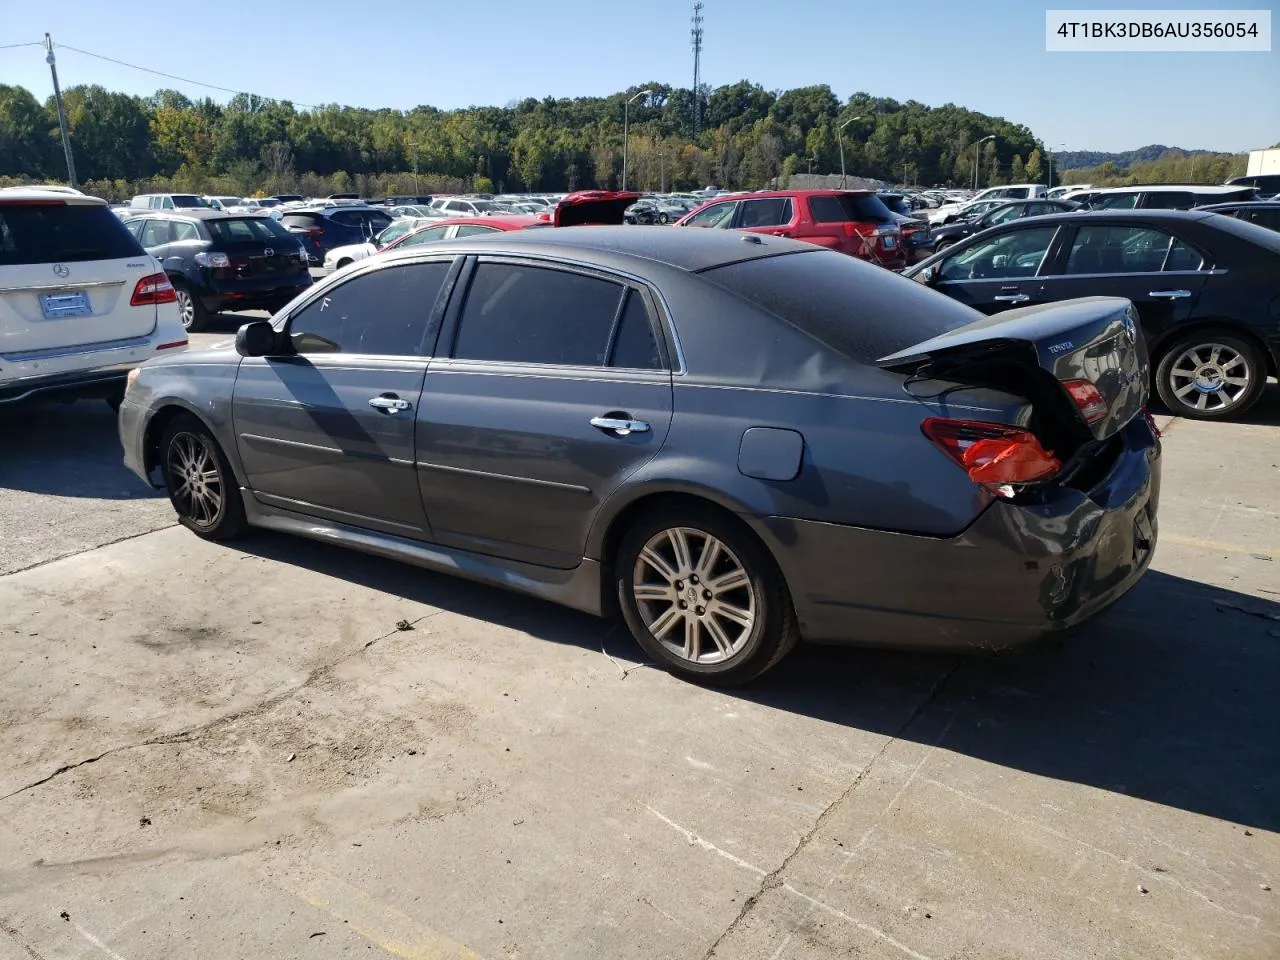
[843,207]
[246,228]
[859,310]
[303,221]
[62,233]
[189,200]
[896,204]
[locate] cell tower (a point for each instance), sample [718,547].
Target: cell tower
[696,34]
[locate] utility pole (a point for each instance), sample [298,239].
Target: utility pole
[414,147]
[62,113]
[626,108]
[840,138]
[662,167]
[975,158]
[696,34]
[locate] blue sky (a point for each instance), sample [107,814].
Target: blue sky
[987,55]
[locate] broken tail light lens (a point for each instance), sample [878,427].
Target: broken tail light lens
[1087,398]
[994,455]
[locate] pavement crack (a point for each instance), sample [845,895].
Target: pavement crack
[192,734]
[776,877]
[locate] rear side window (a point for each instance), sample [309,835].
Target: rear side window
[634,344]
[1115,201]
[1119,249]
[300,221]
[1170,200]
[521,314]
[773,212]
[62,233]
[1269,217]
[244,229]
[185,231]
[859,310]
[383,313]
[846,207]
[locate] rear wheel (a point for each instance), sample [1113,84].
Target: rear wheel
[344,262]
[192,312]
[1210,375]
[703,597]
[942,245]
[199,480]
[663,218]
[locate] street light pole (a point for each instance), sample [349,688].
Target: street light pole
[975,158]
[414,147]
[840,140]
[812,160]
[62,114]
[626,107]
[662,167]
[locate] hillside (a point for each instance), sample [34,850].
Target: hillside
[1074,159]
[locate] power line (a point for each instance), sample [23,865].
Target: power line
[33,43]
[170,76]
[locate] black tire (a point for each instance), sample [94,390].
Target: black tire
[1235,358]
[192,312]
[942,245]
[186,439]
[342,263]
[752,649]
[663,219]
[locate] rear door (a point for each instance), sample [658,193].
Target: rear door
[552,389]
[68,269]
[1145,263]
[328,429]
[999,271]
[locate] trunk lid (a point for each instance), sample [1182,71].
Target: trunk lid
[593,206]
[1047,353]
[68,270]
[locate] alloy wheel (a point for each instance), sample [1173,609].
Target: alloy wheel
[186,307]
[1210,377]
[195,479]
[694,595]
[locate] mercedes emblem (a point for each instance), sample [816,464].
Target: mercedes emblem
[61,270]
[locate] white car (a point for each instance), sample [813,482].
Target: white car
[969,208]
[81,303]
[344,256]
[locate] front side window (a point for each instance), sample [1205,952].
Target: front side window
[1117,249]
[422,236]
[383,313]
[773,212]
[1015,254]
[1002,214]
[717,216]
[521,314]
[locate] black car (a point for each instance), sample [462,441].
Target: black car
[1206,288]
[418,200]
[1268,184]
[321,228]
[223,261]
[1265,213]
[917,237]
[951,233]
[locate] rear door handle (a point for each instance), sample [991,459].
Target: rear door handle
[620,425]
[1169,294]
[1011,298]
[389,403]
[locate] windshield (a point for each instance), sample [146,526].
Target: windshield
[62,233]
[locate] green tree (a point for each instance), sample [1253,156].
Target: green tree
[1017,170]
[1035,172]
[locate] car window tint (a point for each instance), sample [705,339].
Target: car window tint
[1183,257]
[719,215]
[383,313]
[234,230]
[422,236]
[1014,254]
[57,232]
[772,212]
[1269,218]
[1117,249]
[522,314]
[634,344]
[1169,200]
[1115,201]
[185,231]
[1001,214]
[300,221]
[471,230]
[155,233]
[846,207]
[854,308]
[135,227]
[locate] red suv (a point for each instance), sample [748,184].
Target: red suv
[855,222]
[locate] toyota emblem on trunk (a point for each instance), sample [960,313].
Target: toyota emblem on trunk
[61,270]
[268,252]
[1130,328]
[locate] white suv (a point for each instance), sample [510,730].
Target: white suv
[80,302]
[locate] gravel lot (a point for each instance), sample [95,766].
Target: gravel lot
[279,749]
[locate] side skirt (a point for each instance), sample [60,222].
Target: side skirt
[579,588]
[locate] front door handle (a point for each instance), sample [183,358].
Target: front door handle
[1011,298]
[1169,294]
[622,426]
[389,403]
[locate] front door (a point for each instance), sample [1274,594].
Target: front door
[555,389]
[327,428]
[999,272]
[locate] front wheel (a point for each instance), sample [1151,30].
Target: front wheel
[1210,375]
[703,597]
[343,263]
[201,486]
[663,219]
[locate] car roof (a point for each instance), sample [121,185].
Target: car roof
[25,194]
[766,194]
[622,247]
[1241,205]
[1172,187]
[1092,216]
[196,213]
[510,221]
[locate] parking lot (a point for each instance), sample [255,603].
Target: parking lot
[281,749]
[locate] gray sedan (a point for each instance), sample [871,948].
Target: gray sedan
[736,441]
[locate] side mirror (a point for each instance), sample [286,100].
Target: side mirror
[928,276]
[256,339]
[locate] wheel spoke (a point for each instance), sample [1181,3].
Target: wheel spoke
[711,551]
[662,626]
[1235,361]
[742,617]
[1214,352]
[210,476]
[721,639]
[692,638]
[733,580]
[680,547]
[653,592]
[1225,397]
[1202,401]
[658,563]
[1184,390]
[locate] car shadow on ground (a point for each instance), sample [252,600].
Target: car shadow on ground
[66,450]
[1170,697]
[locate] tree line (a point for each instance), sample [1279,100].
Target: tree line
[1172,166]
[750,137]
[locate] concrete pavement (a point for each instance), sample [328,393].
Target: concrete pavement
[280,749]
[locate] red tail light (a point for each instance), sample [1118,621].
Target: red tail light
[1087,398]
[993,454]
[1151,422]
[154,288]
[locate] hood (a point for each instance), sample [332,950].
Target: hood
[593,206]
